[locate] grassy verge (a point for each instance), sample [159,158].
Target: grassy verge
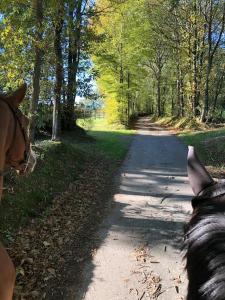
[27,197]
[59,164]
[210,144]
[185,123]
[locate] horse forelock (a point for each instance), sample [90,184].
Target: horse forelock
[205,252]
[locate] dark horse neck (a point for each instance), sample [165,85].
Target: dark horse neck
[205,243]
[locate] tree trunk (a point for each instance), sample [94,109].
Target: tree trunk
[38,11]
[217,92]
[195,64]
[159,96]
[213,45]
[182,96]
[69,121]
[121,63]
[195,96]
[200,75]
[128,97]
[206,99]
[172,102]
[180,91]
[59,75]
[73,62]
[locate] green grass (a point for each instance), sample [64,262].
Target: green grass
[59,164]
[113,140]
[28,196]
[211,153]
[184,123]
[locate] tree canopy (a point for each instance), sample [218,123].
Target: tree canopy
[163,57]
[160,57]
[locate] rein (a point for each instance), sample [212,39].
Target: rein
[16,113]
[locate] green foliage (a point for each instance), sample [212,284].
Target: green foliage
[15,55]
[86,123]
[21,35]
[151,56]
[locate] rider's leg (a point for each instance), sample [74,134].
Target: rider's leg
[7,275]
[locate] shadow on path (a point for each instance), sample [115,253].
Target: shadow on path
[151,205]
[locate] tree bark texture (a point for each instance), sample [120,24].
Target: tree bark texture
[75,9]
[38,12]
[59,75]
[213,40]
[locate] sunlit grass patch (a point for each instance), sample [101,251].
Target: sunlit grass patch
[185,123]
[98,124]
[113,140]
[188,123]
[210,144]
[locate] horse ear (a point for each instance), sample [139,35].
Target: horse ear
[198,176]
[17,97]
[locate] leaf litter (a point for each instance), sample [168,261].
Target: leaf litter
[151,282]
[48,249]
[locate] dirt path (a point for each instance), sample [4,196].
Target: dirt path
[139,254]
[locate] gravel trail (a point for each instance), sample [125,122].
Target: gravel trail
[139,243]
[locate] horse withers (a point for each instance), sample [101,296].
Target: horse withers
[15,152]
[205,234]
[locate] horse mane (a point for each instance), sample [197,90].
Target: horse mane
[205,251]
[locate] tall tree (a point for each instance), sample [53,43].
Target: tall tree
[38,14]
[189,32]
[75,18]
[58,26]
[214,14]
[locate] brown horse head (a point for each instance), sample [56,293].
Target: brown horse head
[15,150]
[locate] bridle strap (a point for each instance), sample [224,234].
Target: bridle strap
[215,190]
[211,192]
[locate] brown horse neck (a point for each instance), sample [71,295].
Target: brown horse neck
[5,137]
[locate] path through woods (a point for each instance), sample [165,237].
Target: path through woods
[139,254]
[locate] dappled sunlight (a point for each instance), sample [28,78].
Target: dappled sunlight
[151,205]
[105,80]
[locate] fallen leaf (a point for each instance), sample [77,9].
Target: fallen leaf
[46,244]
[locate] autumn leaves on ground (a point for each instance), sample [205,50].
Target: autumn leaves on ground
[49,217]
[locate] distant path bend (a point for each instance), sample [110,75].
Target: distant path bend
[139,256]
